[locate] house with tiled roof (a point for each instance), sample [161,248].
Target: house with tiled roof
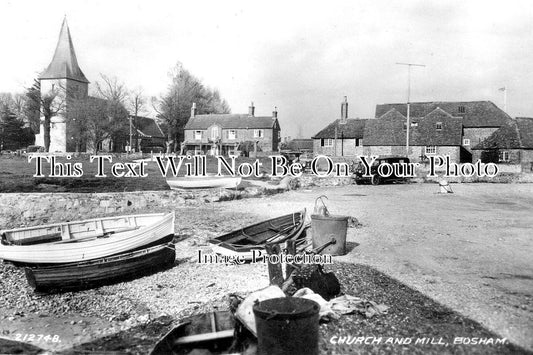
[224,133]
[512,143]
[342,137]
[437,127]
[148,134]
[479,118]
[438,132]
[304,145]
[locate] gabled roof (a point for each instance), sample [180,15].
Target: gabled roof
[353,128]
[476,113]
[147,127]
[231,121]
[525,129]
[392,113]
[516,134]
[64,64]
[389,130]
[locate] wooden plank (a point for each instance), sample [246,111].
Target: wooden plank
[197,338]
[275,272]
[291,250]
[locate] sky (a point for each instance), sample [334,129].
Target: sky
[301,56]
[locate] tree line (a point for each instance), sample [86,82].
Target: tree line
[105,114]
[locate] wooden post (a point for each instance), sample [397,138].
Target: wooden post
[291,250]
[275,272]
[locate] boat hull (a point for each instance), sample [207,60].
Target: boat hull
[244,241]
[211,333]
[204,182]
[77,230]
[99,272]
[72,251]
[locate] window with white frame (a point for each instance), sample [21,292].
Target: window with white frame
[504,156]
[466,141]
[328,142]
[232,134]
[197,134]
[431,149]
[438,126]
[214,132]
[358,142]
[258,133]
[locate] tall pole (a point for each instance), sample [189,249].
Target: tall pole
[131,140]
[409,65]
[504,89]
[505,99]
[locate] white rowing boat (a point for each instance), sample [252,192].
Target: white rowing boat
[204,182]
[85,240]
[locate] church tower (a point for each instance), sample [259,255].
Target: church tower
[64,81]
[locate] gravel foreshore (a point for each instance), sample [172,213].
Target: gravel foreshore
[130,317]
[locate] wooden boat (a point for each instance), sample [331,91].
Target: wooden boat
[204,182]
[243,242]
[78,230]
[210,333]
[73,242]
[99,272]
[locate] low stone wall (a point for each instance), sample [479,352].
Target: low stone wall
[26,209]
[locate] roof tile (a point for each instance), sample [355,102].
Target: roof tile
[353,128]
[230,121]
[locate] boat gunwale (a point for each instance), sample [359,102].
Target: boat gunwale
[21,229]
[86,250]
[98,242]
[217,242]
[111,258]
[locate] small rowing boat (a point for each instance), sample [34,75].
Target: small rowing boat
[207,333]
[99,272]
[243,242]
[203,182]
[73,242]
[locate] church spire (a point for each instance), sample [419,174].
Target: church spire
[64,65]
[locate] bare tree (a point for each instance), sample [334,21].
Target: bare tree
[137,106]
[49,104]
[94,120]
[111,89]
[173,107]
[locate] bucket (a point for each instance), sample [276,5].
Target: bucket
[327,227]
[287,325]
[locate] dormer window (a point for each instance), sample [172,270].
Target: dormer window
[438,126]
[461,109]
[214,133]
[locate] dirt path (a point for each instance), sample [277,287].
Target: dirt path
[471,250]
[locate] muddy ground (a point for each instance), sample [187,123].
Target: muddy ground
[455,265]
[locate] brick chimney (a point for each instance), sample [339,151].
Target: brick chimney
[275,113]
[251,109]
[344,110]
[193,110]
